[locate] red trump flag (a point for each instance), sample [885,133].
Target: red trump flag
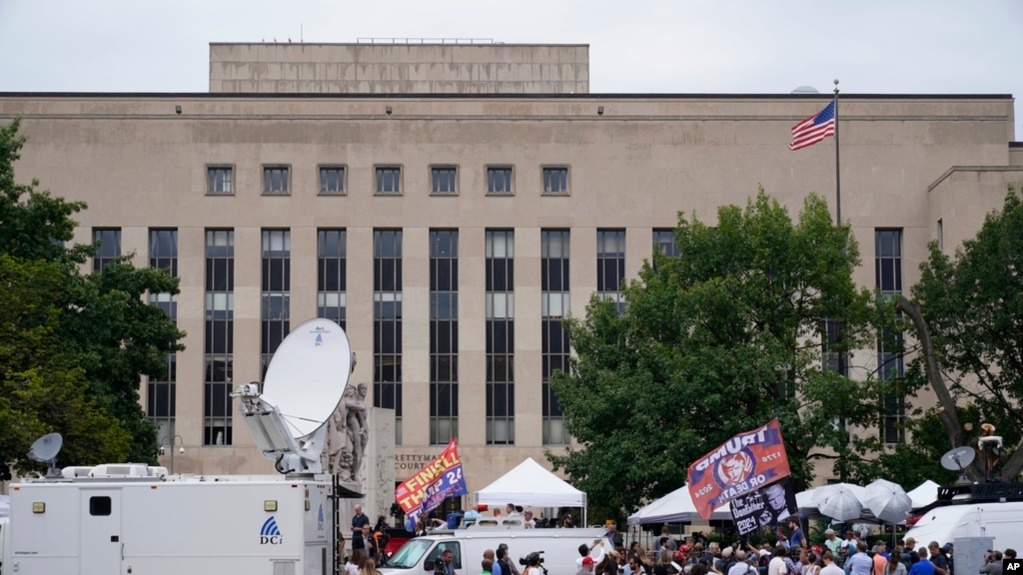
[743,464]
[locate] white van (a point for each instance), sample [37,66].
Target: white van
[560,549]
[1003,521]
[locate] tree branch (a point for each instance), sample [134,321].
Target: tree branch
[948,414]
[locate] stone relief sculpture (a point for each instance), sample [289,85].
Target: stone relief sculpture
[348,435]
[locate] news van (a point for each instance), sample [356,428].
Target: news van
[945,524]
[136,519]
[559,547]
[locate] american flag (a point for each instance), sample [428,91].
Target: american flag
[814,129]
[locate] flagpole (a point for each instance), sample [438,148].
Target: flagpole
[843,357]
[838,173]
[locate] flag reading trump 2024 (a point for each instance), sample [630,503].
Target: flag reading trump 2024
[431,485]
[744,463]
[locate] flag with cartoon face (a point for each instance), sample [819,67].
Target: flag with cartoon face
[765,506]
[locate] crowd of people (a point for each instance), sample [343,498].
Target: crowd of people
[792,555]
[367,544]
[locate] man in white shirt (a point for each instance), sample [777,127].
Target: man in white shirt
[527,520]
[777,565]
[829,565]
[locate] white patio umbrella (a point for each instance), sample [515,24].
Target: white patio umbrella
[840,501]
[887,501]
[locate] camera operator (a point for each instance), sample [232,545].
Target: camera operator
[992,563]
[533,564]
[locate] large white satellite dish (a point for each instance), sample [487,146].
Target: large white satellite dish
[308,374]
[304,384]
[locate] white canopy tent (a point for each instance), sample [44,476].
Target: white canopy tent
[529,483]
[675,507]
[924,494]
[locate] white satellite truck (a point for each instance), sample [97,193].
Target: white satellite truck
[137,519]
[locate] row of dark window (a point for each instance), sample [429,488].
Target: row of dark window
[444,254]
[387,180]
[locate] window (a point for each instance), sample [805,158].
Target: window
[331,274]
[443,180]
[162,391]
[890,366]
[499,180]
[443,336]
[276,293]
[387,324]
[888,260]
[218,370]
[834,356]
[611,265]
[500,337]
[219,180]
[555,180]
[100,506]
[554,306]
[456,554]
[276,180]
[388,180]
[890,371]
[108,247]
[332,179]
[664,242]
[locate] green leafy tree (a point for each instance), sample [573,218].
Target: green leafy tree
[967,311]
[72,346]
[719,340]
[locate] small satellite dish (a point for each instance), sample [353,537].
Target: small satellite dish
[308,375]
[45,449]
[959,458]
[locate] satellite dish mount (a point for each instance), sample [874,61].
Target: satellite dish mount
[45,449]
[958,459]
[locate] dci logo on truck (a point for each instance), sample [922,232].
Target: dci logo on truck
[270,534]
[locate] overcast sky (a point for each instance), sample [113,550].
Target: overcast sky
[673,46]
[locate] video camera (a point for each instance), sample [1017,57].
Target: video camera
[534,559]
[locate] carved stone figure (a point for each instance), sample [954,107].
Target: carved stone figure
[357,429]
[347,435]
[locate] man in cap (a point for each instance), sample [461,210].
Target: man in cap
[587,566]
[527,520]
[725,563]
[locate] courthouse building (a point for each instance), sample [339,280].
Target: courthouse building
[450,204]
